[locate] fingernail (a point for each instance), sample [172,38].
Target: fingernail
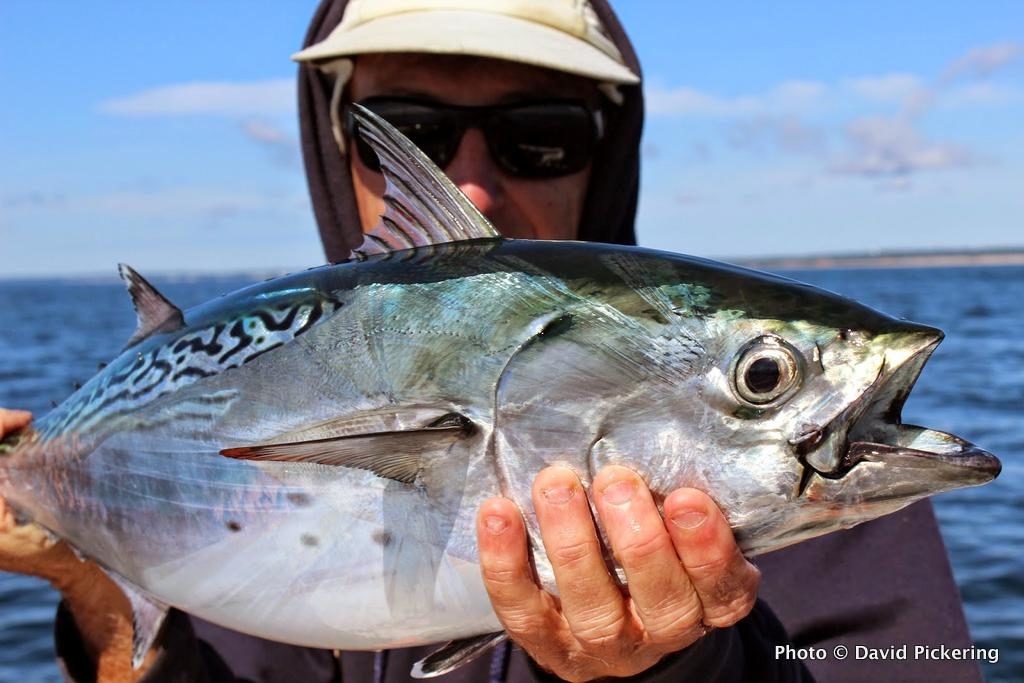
[495,525]
[691,519]
[558,495]
[619,492]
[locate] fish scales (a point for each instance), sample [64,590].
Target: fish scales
[200,351]
[303,460]
[463,325]
[137,482]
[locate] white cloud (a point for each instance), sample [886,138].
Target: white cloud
[981,94]
[894,87]
[175,203]
[32,200]
[890,146]
[795,93]
[799,117]
[914,93]
[782,133]
[256,98]
[264,131]
[282,146]
[895,184]
[788,96]
[683,101]
[981,62]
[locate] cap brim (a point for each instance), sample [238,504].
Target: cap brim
[481,34]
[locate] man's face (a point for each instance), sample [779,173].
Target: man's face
[518,207]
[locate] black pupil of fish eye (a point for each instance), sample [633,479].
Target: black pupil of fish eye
[763,375]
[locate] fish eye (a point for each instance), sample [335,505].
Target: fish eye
[766,370]
[763,375]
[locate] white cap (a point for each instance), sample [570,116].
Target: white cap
[564,35]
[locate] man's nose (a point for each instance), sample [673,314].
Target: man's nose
[475,173]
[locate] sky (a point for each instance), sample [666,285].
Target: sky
[164,135]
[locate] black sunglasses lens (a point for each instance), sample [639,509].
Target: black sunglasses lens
[543,140]
[433,130]
[536,140]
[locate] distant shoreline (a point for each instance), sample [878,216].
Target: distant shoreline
[931,259]
[907,259]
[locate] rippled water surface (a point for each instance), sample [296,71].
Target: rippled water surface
[55,333]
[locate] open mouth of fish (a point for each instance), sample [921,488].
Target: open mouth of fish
[914,459]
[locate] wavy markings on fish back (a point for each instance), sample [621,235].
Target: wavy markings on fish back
[171,362]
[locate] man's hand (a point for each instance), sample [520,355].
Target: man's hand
[26,548]
[13,420]
[685,574]
[100,609]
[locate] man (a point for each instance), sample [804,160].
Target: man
[686,575]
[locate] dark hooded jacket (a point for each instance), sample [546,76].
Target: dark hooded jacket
[885,583]
[610,206]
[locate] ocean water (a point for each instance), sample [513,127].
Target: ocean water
[56,332]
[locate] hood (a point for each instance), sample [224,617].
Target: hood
[610,207]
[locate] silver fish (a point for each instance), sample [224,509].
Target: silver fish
[303,459]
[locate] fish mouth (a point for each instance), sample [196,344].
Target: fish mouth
[908,460]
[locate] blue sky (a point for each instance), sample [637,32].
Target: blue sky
[164,135]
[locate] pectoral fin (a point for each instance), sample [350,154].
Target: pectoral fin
[454,654]
[397,455]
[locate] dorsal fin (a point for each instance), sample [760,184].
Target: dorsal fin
[155,312]
[422,206]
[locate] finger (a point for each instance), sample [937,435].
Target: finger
[665,600]
[13,420]
[592,604]
[725,582]
[522,607]
[6,517]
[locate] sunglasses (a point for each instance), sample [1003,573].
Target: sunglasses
[526,139]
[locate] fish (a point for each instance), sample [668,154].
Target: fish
[303,459]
